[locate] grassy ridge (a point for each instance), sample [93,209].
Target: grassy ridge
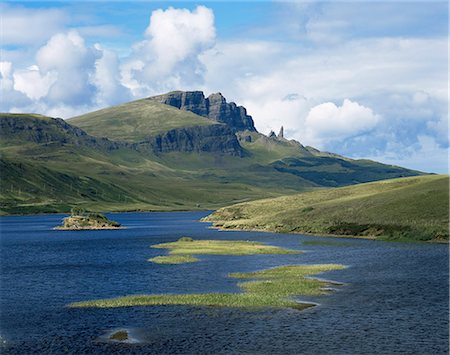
[134,121]
[415,208]
[270,288]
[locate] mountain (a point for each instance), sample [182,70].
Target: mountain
[414,208]
[202,153]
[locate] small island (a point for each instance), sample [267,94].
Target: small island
[80,220]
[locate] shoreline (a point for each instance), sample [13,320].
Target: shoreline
[108,212]
[327,235]
[86,228]
[433,241]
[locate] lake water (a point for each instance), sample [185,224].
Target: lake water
[395,297]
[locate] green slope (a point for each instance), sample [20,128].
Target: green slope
[45,168]
[415,208]
[136,120]
[51,164]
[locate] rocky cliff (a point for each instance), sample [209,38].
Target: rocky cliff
[216,138]
[214,107]
[48,131]
[55,132]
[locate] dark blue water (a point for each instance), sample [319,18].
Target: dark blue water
[395,297]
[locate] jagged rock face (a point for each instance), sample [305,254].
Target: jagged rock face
[55,132]
[193,101]
[214,107]
[213,139]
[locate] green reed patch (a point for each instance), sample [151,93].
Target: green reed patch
[221,247]
[173,259]
[268,288]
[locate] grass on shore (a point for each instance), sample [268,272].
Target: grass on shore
[406,209]
[269,288]
[185,246]
[173,259]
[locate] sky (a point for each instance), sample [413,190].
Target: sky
[365,79]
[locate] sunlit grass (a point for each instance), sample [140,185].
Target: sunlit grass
[414,208]
[269,288]
[173,259]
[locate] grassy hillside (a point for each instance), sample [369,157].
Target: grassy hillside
[415,208]
[133,121]
[50,165]
[45,169]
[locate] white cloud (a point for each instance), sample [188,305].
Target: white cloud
[330,122]
[107,79]
[32,83]
[6,75]
[168,57]
[176,34]
[9,95]
[67,55]
[29,26]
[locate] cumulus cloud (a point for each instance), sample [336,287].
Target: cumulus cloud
[330,122]
[109,89]
[73,62]
[10,96]
[176,34]
[32,83]
[169,54]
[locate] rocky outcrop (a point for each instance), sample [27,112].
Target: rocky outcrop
[55,132]
[89,221]
[281,133]
[49,131]
[214,107]
[216,138]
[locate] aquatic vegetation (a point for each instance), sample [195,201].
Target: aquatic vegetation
[173,259]
[221,247]
[268,288]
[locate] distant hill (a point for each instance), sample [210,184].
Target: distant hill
[148,155]
[414,208]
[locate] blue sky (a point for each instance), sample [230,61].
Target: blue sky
[365,79]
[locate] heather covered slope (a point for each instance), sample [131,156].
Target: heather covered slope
[415,208]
